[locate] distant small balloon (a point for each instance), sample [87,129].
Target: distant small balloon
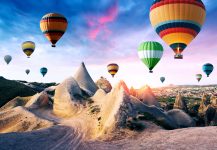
[7,59]
[43,71]
[207,69]
[198,77]
[162,79]
[113,69]
[27,71]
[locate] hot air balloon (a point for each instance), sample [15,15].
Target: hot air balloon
[177,22]
[207,69]
[53,27]
[162,79]
[27,71]
[43,71]
[198,77]
[7,59]
[28,48]
[113,69]
[150,53]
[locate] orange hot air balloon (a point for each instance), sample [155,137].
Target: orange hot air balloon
[53,26]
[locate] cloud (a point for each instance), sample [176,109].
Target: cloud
[98,24]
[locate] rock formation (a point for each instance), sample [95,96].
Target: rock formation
[67,96]
[180,103]
[213,101]
[104,84]
[202,109]
[38,101]
[145,94]
[84,80]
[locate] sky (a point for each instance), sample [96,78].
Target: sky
[99,32]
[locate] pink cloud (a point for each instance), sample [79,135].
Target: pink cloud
[98,24]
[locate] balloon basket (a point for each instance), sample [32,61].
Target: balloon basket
[178,56]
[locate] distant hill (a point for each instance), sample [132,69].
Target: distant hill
[10,89]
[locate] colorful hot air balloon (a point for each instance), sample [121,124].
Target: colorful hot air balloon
[150,53]
[27,71]
[198,77]
[53,26]
[177,22]
[28,48]
[113,69]
[43,71]
[7,59]
[207,69]
[162,79]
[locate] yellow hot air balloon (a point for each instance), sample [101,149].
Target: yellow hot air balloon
[113,69]
[53,26]
[177,22]
[28,48]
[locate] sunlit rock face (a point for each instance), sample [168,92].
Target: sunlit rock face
[145,94]
[180,103]
[104,84]
[67,94]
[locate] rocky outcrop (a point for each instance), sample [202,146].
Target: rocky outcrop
[180,118]
[85,81]
[38,101]
[213,101]
[18,101]
[145,95]
[203,107]
[10,89]
[104,84]
[180,103]
[19,119]
[67,96]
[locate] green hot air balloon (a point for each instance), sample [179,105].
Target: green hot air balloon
[150,53]
[43,71]
[7,59]
[198,77]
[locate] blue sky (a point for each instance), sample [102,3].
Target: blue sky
[99,32]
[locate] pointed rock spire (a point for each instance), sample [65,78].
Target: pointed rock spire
[180,103]
[84,80]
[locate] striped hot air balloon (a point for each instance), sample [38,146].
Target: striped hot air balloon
[198,77]
[207,69]
[177,22]
[113,69]
[150,53]
[28,48]
[7,59]
[43,71]
[53,27]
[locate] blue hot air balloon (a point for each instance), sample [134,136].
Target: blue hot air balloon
[43,71]
[162,79]
[207,69]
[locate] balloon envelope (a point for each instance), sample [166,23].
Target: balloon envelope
[162,79]
[198,77]
[53,27]
[7,59]
[28,48]
[113,69]
[150,53]
[177,22]
[27,71]
[207,69]
[43,71]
